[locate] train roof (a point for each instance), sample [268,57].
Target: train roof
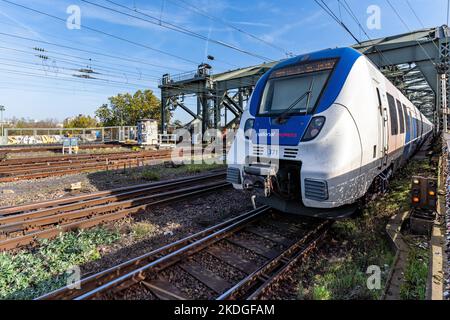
[348,53]
[347,58]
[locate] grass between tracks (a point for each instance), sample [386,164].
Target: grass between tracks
[416,274]
[357,243]
[29,274]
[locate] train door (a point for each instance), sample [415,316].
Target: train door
[383,135]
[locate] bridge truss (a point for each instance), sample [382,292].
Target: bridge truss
[416,62]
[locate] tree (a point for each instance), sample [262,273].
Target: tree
[126,109]
[81,121]
[30,123]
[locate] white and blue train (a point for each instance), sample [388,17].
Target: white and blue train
[320,130]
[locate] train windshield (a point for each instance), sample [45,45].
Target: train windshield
[285,88]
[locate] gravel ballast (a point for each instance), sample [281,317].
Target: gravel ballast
[26,191]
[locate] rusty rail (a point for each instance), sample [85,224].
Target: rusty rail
[46,220]
[145,270]
[40,148]
[24,169]
[57,203]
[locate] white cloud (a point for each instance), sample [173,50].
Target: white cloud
[23,25]
[279,32]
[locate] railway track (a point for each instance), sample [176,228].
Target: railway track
[24,225]
[35,168]
[236,259]
[52,147]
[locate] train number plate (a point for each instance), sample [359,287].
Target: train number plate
[273,151]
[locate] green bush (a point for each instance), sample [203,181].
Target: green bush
[26,275]
[321,293]
[151,175]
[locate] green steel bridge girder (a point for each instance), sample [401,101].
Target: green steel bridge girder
[413,61]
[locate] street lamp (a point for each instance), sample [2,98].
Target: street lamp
[2,108]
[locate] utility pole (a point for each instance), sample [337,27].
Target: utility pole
[2,108]
[444,102]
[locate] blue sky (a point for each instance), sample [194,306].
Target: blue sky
[38,88]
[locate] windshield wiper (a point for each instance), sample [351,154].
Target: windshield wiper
[282,116]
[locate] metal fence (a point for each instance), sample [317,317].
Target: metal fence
[32,136]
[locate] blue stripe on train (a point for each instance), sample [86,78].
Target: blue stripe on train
[292,131]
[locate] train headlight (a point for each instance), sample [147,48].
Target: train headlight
[248,128]
[314,128]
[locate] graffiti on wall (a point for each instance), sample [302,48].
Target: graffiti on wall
[47,139]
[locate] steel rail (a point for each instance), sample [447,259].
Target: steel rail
[82,164]
[51,226]
[93,282]
[22,165]
[27,225]
[15,170]
[28,162]
[60,203]
[31,238]
[49,171]
[51,147]
[118,198]
[165,260]
[43,160]
[252,285]
[137,270]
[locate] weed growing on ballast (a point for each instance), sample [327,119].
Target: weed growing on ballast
[29,274]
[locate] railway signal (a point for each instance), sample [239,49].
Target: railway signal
[424,193]
[424,204]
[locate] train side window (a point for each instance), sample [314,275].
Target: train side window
[393,114]
[408,120]
[417,127]
[412,123]
[417,124]
[421,125]
[400,115]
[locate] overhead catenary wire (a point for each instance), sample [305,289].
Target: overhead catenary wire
[64,46]
[330,12]
[93,66]
[84,50]
[98,82]
[418,19]
[349,10]
[171,26]
[123,59]
[79,92]
[56,68]
[69,85]
[111,35]
[204,13]
[407,27]
[89,59]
